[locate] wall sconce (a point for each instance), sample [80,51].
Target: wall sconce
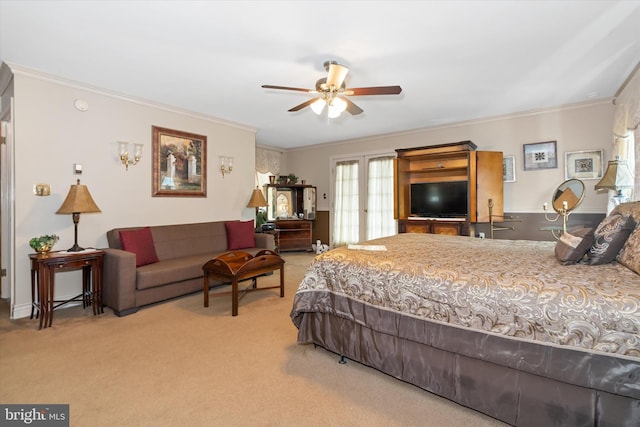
[124,154]
[226,165]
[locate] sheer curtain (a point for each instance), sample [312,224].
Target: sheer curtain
[347,207]
[380,222]
[626,129]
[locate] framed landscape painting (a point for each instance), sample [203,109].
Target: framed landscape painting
[540,155]
[179,163]
[583,164]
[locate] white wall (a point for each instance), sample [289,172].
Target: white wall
[51,135]
[575,128]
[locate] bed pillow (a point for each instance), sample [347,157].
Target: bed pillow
[240,235]
[609,238]
[629,256]
[574,244]
[140,242]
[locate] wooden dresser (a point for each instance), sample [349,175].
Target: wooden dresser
[295,234]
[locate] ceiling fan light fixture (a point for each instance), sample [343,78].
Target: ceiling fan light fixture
[318,105]
[332,88]
[336,107]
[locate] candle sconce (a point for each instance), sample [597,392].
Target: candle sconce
[124,154]
[226,165]
[566,198]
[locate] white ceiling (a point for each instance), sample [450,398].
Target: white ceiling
[455,60]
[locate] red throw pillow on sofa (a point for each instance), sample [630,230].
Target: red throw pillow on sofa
[240,235]
[140,242]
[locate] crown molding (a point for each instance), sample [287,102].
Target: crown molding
[19,70]
[529,113]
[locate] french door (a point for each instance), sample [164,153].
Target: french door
[362,198]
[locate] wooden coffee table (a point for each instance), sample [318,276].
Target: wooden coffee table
[237,266]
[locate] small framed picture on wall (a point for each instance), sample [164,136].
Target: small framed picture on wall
[540,155]
[585,164]
[509,168]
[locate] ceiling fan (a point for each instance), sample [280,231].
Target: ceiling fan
[333,92]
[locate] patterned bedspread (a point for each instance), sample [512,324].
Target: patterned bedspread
[512,288]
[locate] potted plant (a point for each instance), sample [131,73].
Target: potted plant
[43,244]
[292,178]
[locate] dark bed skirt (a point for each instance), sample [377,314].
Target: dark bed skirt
[508,394]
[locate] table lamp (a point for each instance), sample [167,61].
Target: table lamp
[617,177]
[78,201]
[257,200]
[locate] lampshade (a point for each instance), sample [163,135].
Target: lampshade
[78,200]
[257,200]
[617,176]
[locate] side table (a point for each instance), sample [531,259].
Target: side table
[43,269]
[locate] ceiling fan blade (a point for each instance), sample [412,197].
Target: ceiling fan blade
[304,104]
[352,108]
[336,75]
[378,90]
[289,88]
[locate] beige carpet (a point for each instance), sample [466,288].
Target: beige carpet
[180,364]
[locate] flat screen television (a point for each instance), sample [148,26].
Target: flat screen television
[439,199]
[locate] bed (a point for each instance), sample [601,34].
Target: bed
[495,325]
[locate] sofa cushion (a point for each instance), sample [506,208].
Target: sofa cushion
[182,240]
[171,271]
[140,242]
[240,235]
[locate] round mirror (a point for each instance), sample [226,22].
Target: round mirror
[568,195]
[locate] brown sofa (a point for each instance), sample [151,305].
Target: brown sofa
[181,252]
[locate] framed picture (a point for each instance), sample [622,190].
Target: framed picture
[583,164]
[284,204]
[540,155]
[509,168]
[179,163]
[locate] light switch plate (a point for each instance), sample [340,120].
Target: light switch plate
[77,168]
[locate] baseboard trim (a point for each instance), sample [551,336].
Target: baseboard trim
[21,311]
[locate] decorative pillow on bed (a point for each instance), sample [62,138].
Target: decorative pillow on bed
[140,242]
[609,238]
[240,235]
[629,256]
[574,244]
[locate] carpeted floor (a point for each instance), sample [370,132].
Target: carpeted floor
[180,364]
